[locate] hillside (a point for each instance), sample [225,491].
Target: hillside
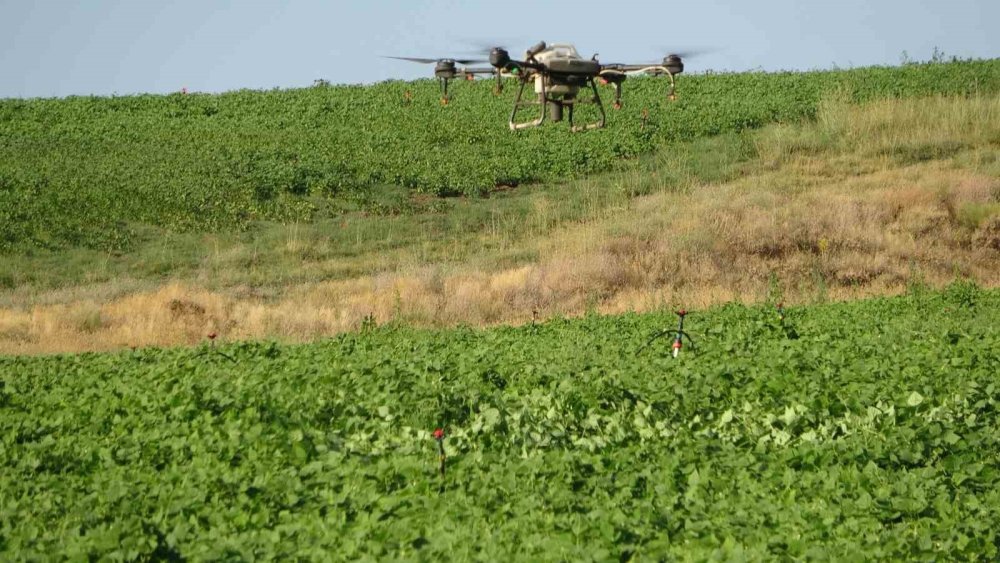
[99,172]
[850,199]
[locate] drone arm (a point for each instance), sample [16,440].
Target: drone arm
[521,66]
[653,69]
[478,70]
[639,68]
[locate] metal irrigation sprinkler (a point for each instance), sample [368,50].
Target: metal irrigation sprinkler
[213,350]
[679,335]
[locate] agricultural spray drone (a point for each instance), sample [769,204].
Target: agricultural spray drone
[562,80]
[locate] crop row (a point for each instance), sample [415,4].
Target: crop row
[867,431]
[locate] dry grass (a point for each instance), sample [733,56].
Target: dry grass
[869,201]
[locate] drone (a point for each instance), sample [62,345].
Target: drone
[562,80]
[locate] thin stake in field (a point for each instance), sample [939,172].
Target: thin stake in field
[788,329]
[439,436]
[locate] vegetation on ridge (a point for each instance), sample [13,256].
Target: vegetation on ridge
[870,199]
[96,172]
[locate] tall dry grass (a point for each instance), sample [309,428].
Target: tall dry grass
[867,201]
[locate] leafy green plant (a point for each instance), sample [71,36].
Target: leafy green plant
[88,171]
[873,435]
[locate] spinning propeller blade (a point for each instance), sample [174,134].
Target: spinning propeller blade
[689,53]
[431,61]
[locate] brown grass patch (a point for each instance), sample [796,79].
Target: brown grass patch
[878,199]
[868,235]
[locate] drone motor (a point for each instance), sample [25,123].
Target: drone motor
[674,64]
[445,68]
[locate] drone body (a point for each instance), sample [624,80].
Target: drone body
[560,77]
[560,87]
[564,57]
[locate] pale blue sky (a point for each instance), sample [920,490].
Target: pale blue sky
[58,48]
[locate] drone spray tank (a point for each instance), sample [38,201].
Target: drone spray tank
[556,90]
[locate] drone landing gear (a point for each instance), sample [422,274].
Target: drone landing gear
[596,100]
[672,94]
[444,91]
[520,103]
[554,107]
[615,79]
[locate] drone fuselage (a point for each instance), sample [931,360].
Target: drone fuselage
[562,80]
[559,85]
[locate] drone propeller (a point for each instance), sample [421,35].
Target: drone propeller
[484,49]
[482,46]
[446,70]
[490,48]
[684,55]
[431,61]
[688,53]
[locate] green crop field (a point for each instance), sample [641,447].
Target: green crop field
[860,430]
[864,430]
[101,172]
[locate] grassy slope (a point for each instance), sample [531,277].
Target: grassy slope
[866,200]
[870,432]
[108,173]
